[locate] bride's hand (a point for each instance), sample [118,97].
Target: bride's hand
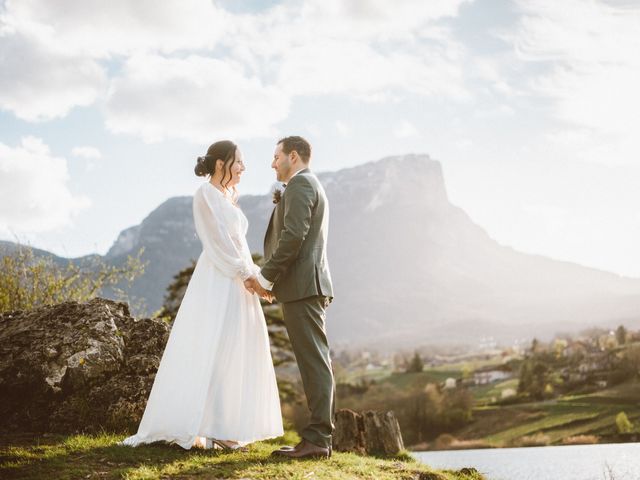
[250,285]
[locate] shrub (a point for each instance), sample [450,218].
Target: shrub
[28,281]
[623,424]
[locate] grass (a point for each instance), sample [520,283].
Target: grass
[485,394]
[99,457]
[539,426]
[471,365]
[568,416]
[406,380]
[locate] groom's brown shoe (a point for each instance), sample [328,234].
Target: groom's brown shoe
[305,449]
[286,448]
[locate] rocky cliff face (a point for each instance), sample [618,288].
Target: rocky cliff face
[77,367]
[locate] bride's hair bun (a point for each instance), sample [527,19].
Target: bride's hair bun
[201,169]
[224,150]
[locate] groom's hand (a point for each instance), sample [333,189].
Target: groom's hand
[266,294]
[253,286]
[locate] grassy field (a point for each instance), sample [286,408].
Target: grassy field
[405,380]
[485,394]
[553,420]
[568,416]
[99,457]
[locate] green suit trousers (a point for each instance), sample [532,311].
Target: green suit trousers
[305,323]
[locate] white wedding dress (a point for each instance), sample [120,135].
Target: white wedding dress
[216,377]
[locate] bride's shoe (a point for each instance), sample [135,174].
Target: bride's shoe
[203,442]
[229,446]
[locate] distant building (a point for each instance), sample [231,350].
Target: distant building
[450,383]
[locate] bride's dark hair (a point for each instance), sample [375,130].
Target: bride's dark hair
[224,150]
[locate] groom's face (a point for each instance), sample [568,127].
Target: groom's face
[281,164]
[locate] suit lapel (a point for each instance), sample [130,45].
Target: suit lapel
[275,209]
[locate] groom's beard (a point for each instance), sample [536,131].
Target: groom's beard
[280,176]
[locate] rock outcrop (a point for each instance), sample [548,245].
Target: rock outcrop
[77,367]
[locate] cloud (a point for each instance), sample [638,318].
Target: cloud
[86,152]
[353,68]
[192,70]
[364,49]
[405,129]
[34,191]
[51,53]
[343,129]
[37,84]
[378,20]
[587,56]
[197,98]
[119,27]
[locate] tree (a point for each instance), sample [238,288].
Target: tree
[535,346]
[535,378]
[28,281]
[526,377]
[632,356]
[416,364]
[559,346]
[621,335]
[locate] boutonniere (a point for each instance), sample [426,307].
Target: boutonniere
[277,195]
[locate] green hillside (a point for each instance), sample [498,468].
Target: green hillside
[557,420]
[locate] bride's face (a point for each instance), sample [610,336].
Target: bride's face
[236,169]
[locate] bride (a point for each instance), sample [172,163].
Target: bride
[216,383]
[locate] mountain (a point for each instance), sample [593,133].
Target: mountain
[414,266]
[408,267]
[170,243]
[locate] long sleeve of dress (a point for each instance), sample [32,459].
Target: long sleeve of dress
[219,230]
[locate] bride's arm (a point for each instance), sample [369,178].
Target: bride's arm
[217,241]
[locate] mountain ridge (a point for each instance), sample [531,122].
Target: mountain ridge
[407,263]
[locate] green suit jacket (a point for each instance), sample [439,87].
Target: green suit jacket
[295,245]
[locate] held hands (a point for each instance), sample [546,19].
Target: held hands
[253,286]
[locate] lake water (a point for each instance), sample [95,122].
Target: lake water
[618,461]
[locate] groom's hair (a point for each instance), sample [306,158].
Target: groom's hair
[299,144]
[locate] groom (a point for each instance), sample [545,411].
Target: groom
[296,272]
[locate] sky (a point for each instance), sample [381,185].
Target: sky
[531,106]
